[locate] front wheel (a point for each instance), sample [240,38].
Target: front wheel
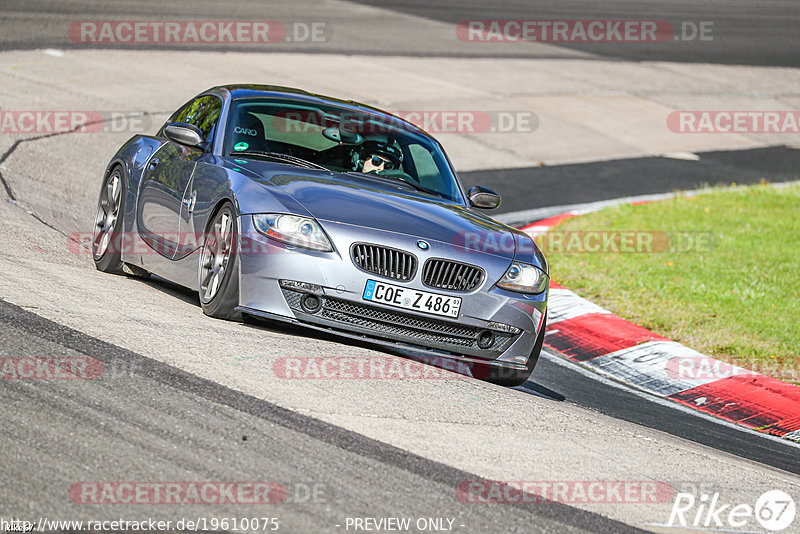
[108,224]
[513,377]
[218,268]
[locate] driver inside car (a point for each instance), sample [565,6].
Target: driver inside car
[376,156]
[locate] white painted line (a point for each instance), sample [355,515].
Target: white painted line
[660,368]
[645,366]
[593,375]
[534,231]
[563,304]
[530,216]
[537,214]
[688,156]
[794,436]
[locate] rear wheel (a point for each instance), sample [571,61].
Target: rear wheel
[513,377]
[108,224]
[218,276]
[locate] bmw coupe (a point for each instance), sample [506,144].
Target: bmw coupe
[280,204]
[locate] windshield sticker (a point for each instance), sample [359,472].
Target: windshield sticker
[240,146]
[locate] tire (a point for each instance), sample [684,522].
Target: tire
[513,377]
[109,223]
[218,267]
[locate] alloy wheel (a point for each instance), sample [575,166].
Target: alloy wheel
[105,221]
[216,255]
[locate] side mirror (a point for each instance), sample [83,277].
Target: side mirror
[184,134]
[483,197]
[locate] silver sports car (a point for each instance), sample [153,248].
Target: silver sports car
[279,204]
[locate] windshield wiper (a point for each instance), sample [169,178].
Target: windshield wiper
[283,158]
[400,179]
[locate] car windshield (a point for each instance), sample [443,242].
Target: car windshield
[339,139]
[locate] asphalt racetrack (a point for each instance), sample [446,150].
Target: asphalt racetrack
[183,397]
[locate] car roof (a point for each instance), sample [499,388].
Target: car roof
[235,91]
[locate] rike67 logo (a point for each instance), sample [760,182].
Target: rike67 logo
[774,511]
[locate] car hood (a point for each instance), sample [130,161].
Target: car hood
[382,205]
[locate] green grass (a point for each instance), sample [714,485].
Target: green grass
[737,299]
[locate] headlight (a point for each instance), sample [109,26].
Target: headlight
[523,278]
[294,230]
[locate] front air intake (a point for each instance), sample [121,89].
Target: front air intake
[384,261]
[452,275]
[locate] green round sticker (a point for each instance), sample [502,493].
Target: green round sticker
[240,146]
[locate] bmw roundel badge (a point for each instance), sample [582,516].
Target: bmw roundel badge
[423,245]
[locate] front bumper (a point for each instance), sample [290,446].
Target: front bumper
[342,311]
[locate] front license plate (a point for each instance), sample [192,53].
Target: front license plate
[411,299]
